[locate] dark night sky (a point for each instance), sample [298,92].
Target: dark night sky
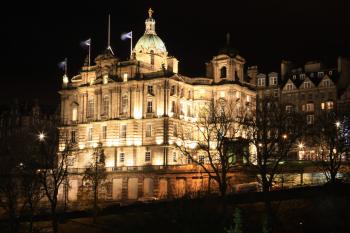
[36,36]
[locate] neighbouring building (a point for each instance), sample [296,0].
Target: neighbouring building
[135,108]
[311,89]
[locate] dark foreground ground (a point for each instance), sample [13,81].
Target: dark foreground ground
[312,209]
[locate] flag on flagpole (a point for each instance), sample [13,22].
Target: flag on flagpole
[86,42]
[62,65]
[127,35]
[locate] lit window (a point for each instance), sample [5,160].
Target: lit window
[74,114]
[121,157]
[175,130]
[90,109]
[294,77]
[105,105]
[173,90]
[124,104]
[322,106]
[302,76]
[123,131]
[289,87]
[201,159]
[149,106]
[148,156]
[148,130]
[104,132]
[174,157]
[329,105]
[320,74]
[72,136]
[173,106]
[90,134]
[238,94]
[261,82]
[309,107]
[150,89]
[248,98]
[125,77]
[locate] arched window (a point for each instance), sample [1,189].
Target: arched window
[223,72]
[74,113]
[152,57]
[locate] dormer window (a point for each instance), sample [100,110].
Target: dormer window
[289,87]
[326,83]
[307,85]
[302,76]
[320,74]
[294,77]
[273,81]
[261,82]
[223,72]
[330,72]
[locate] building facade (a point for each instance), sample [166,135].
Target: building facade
[136,109]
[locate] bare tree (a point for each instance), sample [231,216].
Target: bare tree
[210,141]
[331,137]
[96,174]
[53,159]
[272,132]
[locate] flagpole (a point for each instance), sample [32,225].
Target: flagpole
[131,46]
[89,54]
[109,31]
[65,67]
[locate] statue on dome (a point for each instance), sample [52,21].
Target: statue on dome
[150,12]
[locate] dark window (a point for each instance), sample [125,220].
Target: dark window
[223,72]
[152,57]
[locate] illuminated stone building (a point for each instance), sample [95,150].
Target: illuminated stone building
[135,108]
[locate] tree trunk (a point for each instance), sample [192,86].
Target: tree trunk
[54,219]
[95,205]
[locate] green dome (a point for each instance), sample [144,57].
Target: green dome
[149,42]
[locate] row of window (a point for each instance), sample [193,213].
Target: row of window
[307,85]
[310,107]
[272,81]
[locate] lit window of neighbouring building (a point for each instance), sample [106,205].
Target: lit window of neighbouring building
[273,81]
[148,156]
[148,130]
[289,87]
[309,107]
[310,119]
[123,131]
[329,105]
[261,82]
[307,85]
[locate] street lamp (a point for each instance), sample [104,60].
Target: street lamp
[41,136]
[284,136]
[337,124]
[301,145]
